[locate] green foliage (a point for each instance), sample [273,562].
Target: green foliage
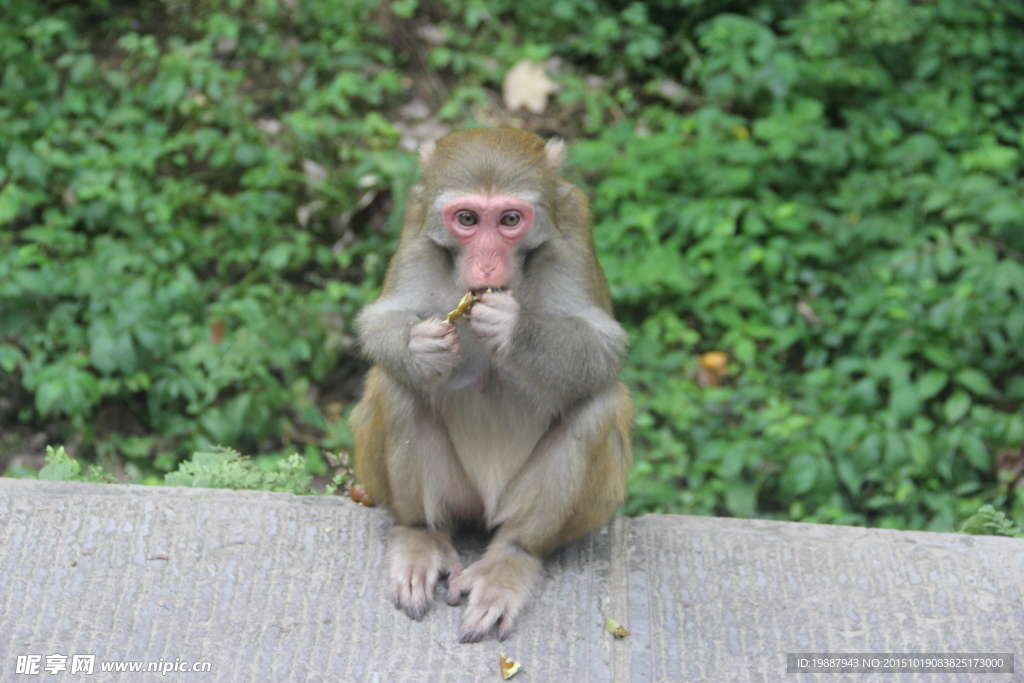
[990,522]
[62,467]
[227,469]
[844,218]
[194,200]
[150,250]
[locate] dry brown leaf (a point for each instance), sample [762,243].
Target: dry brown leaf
[314,171]
[527,85]
[359,495]
[269,126]
[807,313]
[216,332]
[1010,466]
[433,34]
[305,212]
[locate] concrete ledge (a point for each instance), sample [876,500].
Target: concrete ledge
[274,587]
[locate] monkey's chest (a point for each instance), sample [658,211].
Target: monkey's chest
[493,434]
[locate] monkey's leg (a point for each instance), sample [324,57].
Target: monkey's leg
[499,585]
[417,559]
[572,483]
[428,490]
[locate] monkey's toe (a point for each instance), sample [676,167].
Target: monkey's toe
[415,612]
[478,620]
[454,597]
[414,600]
[418,559]
[457,587]
[472,636]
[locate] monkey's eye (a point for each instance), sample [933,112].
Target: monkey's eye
[511,219]
[466,218]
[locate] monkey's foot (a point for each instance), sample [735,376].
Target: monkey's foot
[498,586]
[418,558]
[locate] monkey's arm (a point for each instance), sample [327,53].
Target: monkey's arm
[562,356]
[411,349]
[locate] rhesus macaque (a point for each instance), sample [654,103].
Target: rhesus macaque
[511,417]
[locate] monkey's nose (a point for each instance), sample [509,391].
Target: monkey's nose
[488,275]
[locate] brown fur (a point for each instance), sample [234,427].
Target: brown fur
[520,423]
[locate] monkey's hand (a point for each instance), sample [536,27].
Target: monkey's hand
[494,319]
[418,559]
[498,585]
[434,347]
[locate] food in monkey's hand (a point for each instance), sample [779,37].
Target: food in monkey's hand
[463,308]
[465,305]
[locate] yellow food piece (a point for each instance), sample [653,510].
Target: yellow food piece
[463,307]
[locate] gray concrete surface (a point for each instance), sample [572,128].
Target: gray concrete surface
[273,587]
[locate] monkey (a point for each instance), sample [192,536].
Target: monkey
[512,417]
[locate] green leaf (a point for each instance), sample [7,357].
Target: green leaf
[741,498]
[103,351]
[904,399]
[800,474]
[895,449]
[940,356]
[732,461]
[48,394]
[989,521]
[10,357]
[945,259]
[249,154]
[60,466]
[977,454]
[931,383]
[957,406]
[975,381]
[849,474]
[919,449]
[745,351]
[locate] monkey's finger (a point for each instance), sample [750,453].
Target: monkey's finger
[472,635]
[456,589]
[478,620]
[504,627]
[501,300]
[416,611]
[454,597]
[438,345]
[435,326]
[413,602]
[414,593]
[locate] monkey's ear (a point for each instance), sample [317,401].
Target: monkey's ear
[427,152]
[554,151]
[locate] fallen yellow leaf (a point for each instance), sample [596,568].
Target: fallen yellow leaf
[509,667]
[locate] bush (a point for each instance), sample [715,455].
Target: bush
[152,259]
[843,215]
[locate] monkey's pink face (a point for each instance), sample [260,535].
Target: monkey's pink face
[488,227]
